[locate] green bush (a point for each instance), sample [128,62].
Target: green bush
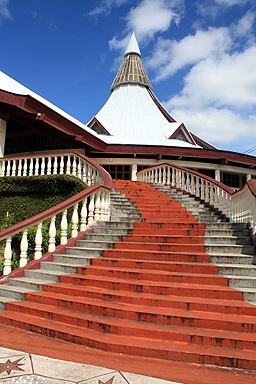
[25,197]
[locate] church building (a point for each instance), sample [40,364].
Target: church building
[131,131]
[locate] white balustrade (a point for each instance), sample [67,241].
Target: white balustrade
[91,207]
[239,206]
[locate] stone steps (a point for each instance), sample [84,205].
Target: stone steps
[149,287]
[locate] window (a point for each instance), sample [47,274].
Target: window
[119,171]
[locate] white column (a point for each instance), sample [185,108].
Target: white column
[2,136]
[134,172]
[217,174]
[248,176]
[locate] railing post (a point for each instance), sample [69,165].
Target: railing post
[52,234]
[8,256]
[83,215]
[64,228]
[74,232]
[38,242]
[14,168]
[97,206]
[91,210]
[24,248]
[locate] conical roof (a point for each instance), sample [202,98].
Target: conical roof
[131,70]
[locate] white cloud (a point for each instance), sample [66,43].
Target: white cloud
[152,16]
[221,127]
[229,81]
[218,101]
[214,7]
[105,7]
[148,18]
[4,11]
[170,55]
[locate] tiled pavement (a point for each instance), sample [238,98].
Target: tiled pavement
[17,367]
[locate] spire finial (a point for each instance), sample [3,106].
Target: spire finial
[133,46]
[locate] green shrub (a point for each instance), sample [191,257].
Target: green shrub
[25,197]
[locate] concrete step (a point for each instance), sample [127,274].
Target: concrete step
[72,259]
[218,258]
[58,267]
[242,281]
[237,270]
[225,248]
[229,240]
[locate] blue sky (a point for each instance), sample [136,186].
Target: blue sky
[200,56]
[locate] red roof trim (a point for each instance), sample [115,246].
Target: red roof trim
[180,151]
[51,117]
[202,141]
[95,120]
[162,109]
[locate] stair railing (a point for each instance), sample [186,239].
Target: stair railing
[239,206]
[87,207]
[61,163]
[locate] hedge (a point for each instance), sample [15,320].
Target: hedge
[24,197]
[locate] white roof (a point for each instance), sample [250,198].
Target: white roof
[131,117]
[132,46]
[12,86]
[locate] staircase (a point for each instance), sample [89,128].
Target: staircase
[152,282]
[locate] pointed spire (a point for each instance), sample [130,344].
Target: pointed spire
[133,46]
[131,70]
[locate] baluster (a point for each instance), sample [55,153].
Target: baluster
[38,242]
[197,187]
[182,180]
[83,215]
[79,170]
[173,177]
[91,210]
[64,228]
[164,175]
[8,172]
[14,168]
[68,165]
[159,176]
[31,161]
[19,167]
[25,167]
[103,203]
[93,176]
[156,176]
[8,256]
[73,165]
[37,166]
[55,165]
[97,206]
[187,182]
[89,181]
[74,232]
[202,189]
[168,176]
[207,191]
[24,249]
[192,189]
[61,165]
[107,206]
[42,166]
[1,168]
[52,234]
[49,165]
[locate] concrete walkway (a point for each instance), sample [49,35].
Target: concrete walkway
[29,358]
[17,367]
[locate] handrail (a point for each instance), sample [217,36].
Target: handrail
[238,206]
[89,206]
[63,162]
